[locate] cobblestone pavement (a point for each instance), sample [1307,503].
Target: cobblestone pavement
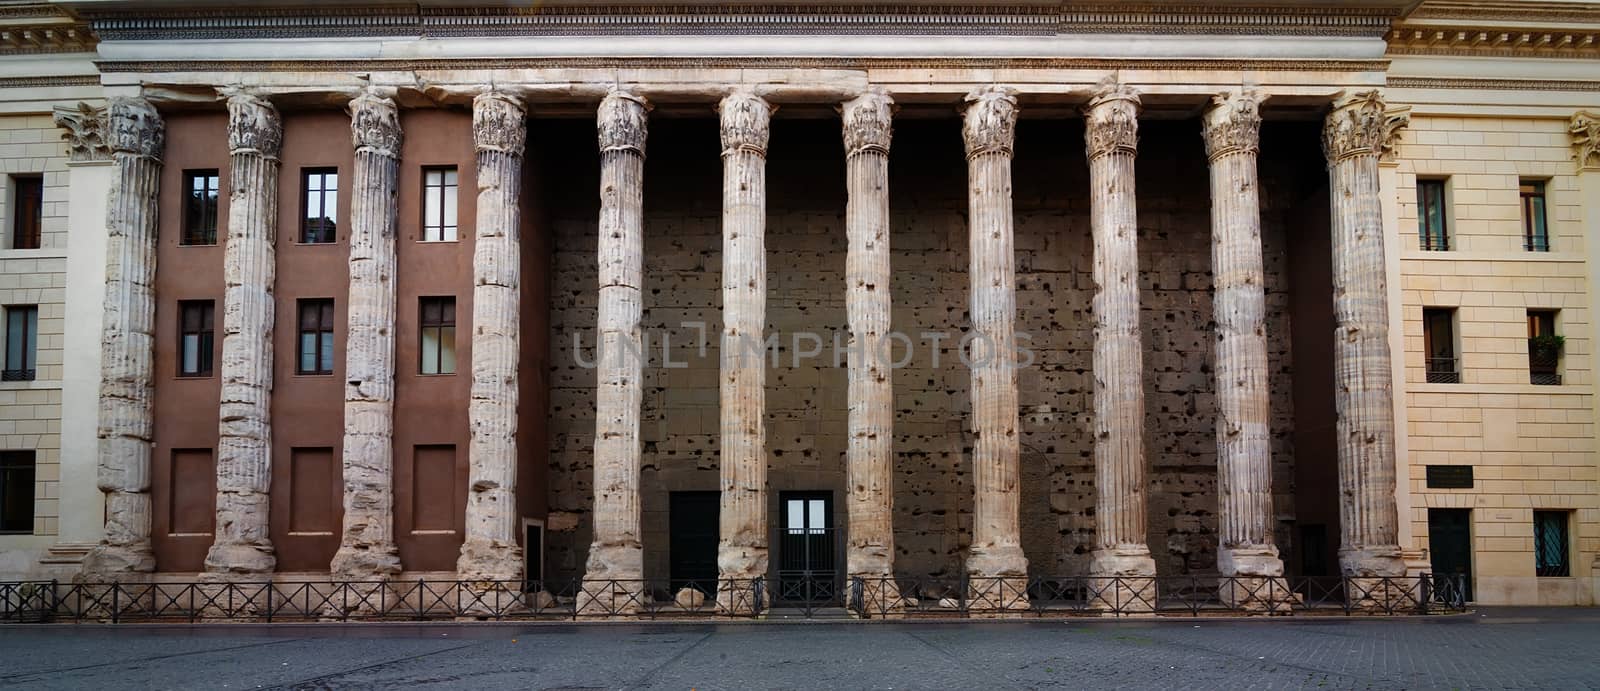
[1493,648]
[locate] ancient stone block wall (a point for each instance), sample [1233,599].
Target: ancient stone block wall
[806,404]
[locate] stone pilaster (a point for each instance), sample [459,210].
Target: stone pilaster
[742,550]
[869,458]
[996,565]
[491,550]
[244,443]
[1357,132]
[616,557]
[135,136]
[367,548]
[1231,128]
[1112,136]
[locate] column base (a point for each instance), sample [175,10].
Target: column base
[878,596]
[106,563]
[605,596]
[1123,580]
[489,560]
[366,562]
[1375,580]
[241,559]
[1253,580]
[997,579]
[741,595]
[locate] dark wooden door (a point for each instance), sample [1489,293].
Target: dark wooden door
[1450,544]
[693,543]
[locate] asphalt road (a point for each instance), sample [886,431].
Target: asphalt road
[1494,648]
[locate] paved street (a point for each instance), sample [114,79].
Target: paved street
[1495,648]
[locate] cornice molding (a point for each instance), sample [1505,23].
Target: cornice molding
[46,38]
[1494,42]
[402,65]
[1555,12]
[46,82]
[1493,84]
[729,19]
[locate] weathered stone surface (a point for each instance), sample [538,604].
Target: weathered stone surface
[742,549]
[136,137]
[869,492]
[85,134]
[367,548]
[1356,133]
[690,598]
[244,444]
[989,130]
[490,550]
[1111,140]
[616,558]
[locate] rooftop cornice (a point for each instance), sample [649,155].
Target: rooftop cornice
[246,23]
[1488,41]
[27,39]
[1484,11]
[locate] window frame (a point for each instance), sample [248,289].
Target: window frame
[205,337]
[446,191]
[323,173]
[30,238]
[1562,542]
[424,325]
[1546,370]
[1425,235]
[11,461]
[187,236]
[1531,191]
[1434,366]
[29,348]
[326,318]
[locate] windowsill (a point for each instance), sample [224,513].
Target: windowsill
[1494,255]
[334,243]
[193,377]
[28,533]
[313,375]
[439,242]
[436,374]
[198,244]
[40,253]
[1479,388]
[30,384]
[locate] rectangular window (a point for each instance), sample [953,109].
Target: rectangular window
[316,336]
[22,342]
[27,211]
[439,204]
[1535,235]
[1544,348]
[200,207]
[195,334]
[16,491]
[1439,345]
[1550,542]
[319,199]
[1431,223]
[438,335]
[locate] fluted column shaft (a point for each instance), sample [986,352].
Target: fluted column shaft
[618,551]
[1357,131]
[742,550]
[244,443]
[367,548]
[1231,129]
[491,550]
[869,458]
[989,131]
[136,137]
[1111,137]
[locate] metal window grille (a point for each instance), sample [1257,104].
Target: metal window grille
[1550,543]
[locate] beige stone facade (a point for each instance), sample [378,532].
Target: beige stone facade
[1292,418]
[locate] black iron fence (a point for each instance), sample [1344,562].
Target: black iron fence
[868,598]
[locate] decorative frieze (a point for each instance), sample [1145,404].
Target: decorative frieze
[136,137]
[85,134]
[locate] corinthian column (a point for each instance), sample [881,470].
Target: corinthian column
[136,136]
[1232,128]
[616,557]
[367,549]
[742,551]
[1357,131]
[244,444]
[1111,137]
[490,551]
[869,459]
[996,566]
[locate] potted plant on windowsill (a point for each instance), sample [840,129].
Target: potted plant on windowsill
[1545,351]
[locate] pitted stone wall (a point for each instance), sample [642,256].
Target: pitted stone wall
[806,405]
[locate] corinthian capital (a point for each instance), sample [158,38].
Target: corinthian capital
[85,131]
[253,125]
[1233,123]
[746,122]
[990,122]
[622,122]
[1111,120]
[375,124]
[868,122]
[134,127]
[499,123]
[1360,124]
[1585,131]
